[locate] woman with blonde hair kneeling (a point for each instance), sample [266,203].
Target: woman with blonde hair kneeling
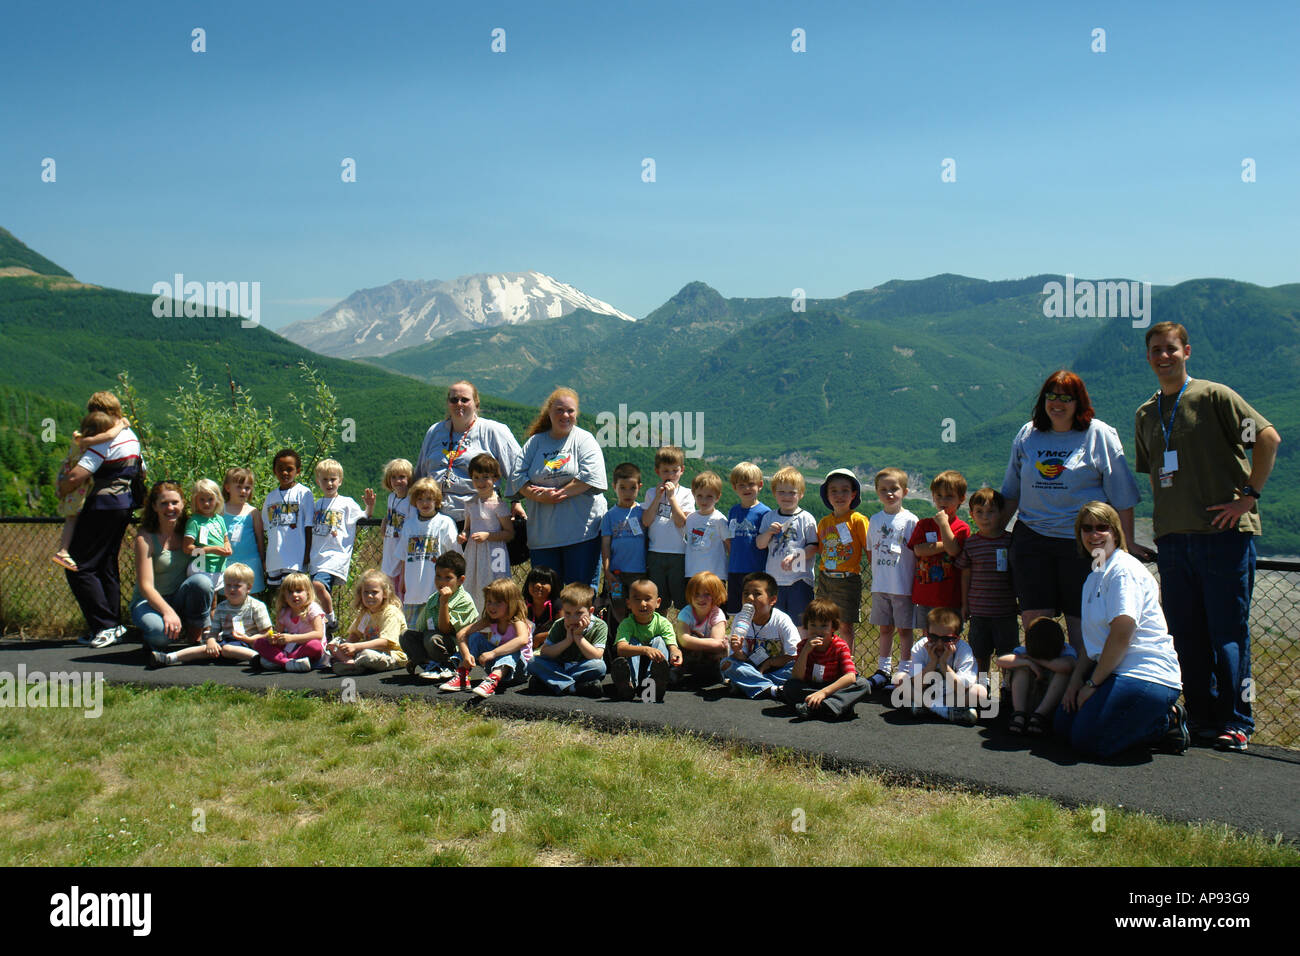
[1124,690]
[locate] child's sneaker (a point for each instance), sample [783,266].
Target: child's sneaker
[659,679]
[879,681]
[459,682]
[488,685]
[268,664]
[161,659]
[300,665]
[1231,740]
[621,671]
[965,716]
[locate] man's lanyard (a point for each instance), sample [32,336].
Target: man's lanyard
[1160,399]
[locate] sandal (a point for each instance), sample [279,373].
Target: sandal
[1038,725]
[64,560]
[1019,720]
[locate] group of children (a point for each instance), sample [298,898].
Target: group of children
[443,601]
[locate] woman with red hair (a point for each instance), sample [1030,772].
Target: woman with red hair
[1062,459]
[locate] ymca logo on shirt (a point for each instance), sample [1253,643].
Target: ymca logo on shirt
[1050,468]
[553,465]
[285,514]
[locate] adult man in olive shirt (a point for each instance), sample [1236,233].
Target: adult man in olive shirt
[1192,437]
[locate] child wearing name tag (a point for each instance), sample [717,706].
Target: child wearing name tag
[988,599]
[936,542]
[206,539]
[892,567]
[842,539]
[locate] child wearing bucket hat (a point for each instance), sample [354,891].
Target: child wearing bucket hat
[841,540]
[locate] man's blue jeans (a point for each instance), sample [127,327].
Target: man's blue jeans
[1122,713]
[1206,582]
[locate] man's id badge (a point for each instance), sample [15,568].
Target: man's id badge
[1171,462]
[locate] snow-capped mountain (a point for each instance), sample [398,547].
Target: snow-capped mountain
[404,313]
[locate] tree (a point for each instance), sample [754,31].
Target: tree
[208,432]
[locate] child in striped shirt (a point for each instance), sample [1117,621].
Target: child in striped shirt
[988,601]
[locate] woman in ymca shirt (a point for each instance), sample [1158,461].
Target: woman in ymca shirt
[561,471]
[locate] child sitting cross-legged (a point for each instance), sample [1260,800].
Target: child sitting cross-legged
[645,642]
[1040,672]
[572,659]
[701,628]
[238,621]
[373,642]
[944,678]
[430,642]
[763,648]
[500,641]
[825,682]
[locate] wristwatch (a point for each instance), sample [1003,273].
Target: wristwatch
[1249,492]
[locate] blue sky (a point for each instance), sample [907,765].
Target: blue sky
[774,169]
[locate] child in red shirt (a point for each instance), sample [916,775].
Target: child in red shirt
[824,683]
[936,542]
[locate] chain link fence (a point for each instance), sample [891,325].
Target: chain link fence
[35,602]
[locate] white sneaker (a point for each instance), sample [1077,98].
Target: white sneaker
[161,659]
[300,666]
[106,638]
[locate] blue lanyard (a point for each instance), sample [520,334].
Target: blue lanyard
[1160,399]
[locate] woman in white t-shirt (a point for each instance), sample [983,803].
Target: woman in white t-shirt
[1124,690]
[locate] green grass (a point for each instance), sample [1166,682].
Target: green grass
[212,775]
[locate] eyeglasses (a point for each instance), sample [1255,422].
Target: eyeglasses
[457,400]
[1095,528]
[1057,397]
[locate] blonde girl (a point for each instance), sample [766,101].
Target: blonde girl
[373,643]
[500,641]
[397,479]
[206,539]
[297,642]
[244,524]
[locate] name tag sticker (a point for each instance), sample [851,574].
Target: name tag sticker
[1171,462]
[931,537]
[845,535]
[818,672]
[1002,559]
[895,547]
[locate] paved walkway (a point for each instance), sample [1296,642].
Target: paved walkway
[1255,791]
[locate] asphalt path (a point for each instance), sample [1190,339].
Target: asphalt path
[1253,791]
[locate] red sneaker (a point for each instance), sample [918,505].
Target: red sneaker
[488,686]
[459,682]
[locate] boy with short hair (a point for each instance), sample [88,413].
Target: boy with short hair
[287,514]
[744,521]
[708,536]
[936,542]
[762,660]
[824,682]
[430,641]
[622,540]
[237,621]
[988,601]
[333,533]
[1039,674]
[841,539]
[664,518]
[893,566]
[790,536]
[944,679]
[646,641]
[572,659]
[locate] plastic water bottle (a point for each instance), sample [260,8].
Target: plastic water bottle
[741,622]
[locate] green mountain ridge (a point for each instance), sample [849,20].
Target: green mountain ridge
[923,374]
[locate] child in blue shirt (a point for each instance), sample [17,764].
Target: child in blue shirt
[622,540]
[744,520]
